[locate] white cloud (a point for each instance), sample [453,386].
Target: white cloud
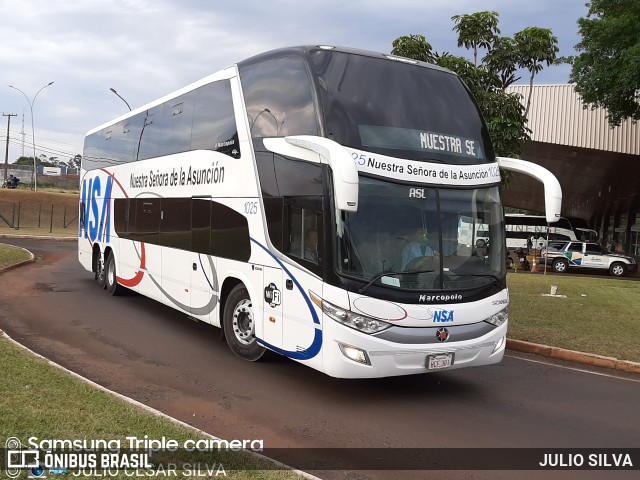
[145,49]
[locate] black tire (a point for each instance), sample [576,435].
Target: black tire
[560,266]
[480,243]
[617,269]
[239,325]
[101,275]
[111,284]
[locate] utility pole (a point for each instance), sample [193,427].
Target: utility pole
[22,135]
[6,154]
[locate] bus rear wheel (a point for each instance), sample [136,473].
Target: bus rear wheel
[240,325]
[101,275]
[111,282]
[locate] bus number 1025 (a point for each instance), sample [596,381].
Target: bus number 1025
[250,208]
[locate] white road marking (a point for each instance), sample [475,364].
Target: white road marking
[575,369]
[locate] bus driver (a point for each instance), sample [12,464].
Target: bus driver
[413,255]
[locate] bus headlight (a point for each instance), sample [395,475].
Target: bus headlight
[359,322]
[499,318]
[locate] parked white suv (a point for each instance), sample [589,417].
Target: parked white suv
[564,255]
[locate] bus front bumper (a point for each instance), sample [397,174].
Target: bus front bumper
[382,358]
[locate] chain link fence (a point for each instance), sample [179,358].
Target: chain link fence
[38,218]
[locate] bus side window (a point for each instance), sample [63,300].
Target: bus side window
[229,233]
[274,211]
[201,225]
[175,225]
[305,232]
[147,225]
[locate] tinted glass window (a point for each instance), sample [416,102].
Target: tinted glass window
[214,123]
[121,215]
[297,178]
[575,247]
[150,134]
[295,226]
[273,209]
[195,224]
[201,225]
[305,232]
[278,98]
[200,120]
[147,220]
[175,226]
[593,248]
[397,109]
[167,128]
[229,233]
[266,172]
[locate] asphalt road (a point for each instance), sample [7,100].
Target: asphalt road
[158,356]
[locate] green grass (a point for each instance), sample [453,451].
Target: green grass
[56,231]
[598,316]
[52,189]
[41,401]
[11,255]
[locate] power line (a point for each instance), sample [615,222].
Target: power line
[13,132]
[46,149]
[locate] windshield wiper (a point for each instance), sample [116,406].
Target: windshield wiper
[388,274]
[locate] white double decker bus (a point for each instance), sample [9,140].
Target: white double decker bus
[520,228]
[308,201]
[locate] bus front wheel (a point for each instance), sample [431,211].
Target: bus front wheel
[240,325]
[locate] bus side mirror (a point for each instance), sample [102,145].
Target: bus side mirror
[324,151]
[552,189]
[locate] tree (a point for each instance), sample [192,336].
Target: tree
[476,30]
[607,72]
[414,46]
[75,162]
[502,61]
[24,161]
[535,46]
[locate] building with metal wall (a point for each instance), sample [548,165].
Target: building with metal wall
[597,166]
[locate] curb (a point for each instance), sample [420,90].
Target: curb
[36,237]
[149,409]
[31,259]
[574,356]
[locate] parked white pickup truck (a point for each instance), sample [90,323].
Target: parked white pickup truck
[564,255]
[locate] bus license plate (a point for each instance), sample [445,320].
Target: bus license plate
[437,362]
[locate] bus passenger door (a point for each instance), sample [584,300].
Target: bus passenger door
[304,245]
[272,306]
[204,279]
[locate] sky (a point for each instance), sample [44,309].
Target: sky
[145,49]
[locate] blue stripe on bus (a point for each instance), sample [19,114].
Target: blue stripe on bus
[313,349]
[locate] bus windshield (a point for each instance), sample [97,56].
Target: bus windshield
[423,238]
[407,111]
